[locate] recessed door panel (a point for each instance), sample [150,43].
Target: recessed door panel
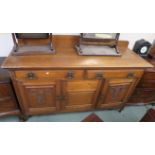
[39,96]
[115,92]
[80,93]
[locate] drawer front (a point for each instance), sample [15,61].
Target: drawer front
[7,100]
[55,74]
[8,104]
[149,76]
[142,95]
[5,91]
[92,74]
[145,92]
[147,84]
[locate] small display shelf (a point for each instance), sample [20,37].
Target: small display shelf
[98,44]
[32,43]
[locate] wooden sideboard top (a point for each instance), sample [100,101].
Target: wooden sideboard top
[67,57]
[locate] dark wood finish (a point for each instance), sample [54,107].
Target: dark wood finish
[99,41]
[149,116]
[66,82]
[8,102]
[32,44]
[92,118]
[145,90]
[89,39]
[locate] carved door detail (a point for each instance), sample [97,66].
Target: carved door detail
[115,92]
[39,97]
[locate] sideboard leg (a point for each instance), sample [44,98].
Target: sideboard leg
[23,118]
[121,108]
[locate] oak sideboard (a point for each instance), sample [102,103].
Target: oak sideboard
[67,82]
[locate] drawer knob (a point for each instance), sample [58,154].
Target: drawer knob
[70,75]
[99,75]
[31,75]
[130,75]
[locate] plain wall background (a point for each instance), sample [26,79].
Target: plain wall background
[6,42]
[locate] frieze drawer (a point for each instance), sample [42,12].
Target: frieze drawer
[92,74]
[55,74]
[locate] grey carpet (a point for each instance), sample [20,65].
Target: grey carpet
[129,114]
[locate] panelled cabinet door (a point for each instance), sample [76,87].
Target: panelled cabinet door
[115,92]
[7,99]
[39,97]
[80,94]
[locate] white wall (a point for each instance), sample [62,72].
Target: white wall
[6,42]
[132,37]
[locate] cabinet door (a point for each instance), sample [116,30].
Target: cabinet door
[80,94]
[142,95]
[7,99]
[115,92]
[39,96]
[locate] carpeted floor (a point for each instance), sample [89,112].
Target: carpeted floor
[129,114]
